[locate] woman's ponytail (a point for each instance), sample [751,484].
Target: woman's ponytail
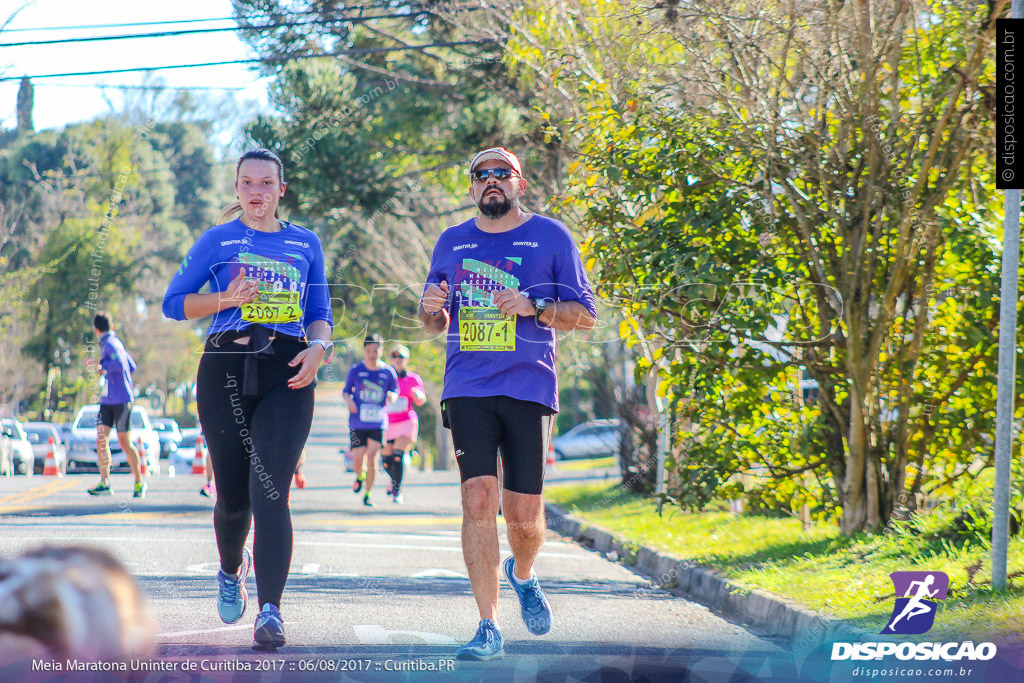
[230,212]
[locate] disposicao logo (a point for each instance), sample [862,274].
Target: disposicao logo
[917,596]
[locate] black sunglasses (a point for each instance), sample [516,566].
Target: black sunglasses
[496,173]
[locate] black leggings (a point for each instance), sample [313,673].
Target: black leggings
[255,444]
[394,465]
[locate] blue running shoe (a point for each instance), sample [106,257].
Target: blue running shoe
[231,594]
[486,645]
[534,606]
[268,634]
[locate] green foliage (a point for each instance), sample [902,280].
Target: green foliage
[772,200]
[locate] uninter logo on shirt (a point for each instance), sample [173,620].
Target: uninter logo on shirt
[466,246]
[525,244]
[304,245]
[226,243]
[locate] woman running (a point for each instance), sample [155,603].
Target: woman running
[403,423]
[268,296]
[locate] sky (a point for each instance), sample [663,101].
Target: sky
[60,101]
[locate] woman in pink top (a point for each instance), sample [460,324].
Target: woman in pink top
[403,424]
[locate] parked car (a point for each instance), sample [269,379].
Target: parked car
[39,435]
[593,439]
[182,456]
[6,459]
[170,435]
[22,456]
[82,453]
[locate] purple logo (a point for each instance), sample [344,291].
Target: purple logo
[916,596]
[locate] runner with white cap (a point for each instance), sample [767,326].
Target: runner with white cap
[501,283]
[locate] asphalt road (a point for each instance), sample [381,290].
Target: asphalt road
[374,590]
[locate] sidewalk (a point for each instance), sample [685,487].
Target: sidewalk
[768,614]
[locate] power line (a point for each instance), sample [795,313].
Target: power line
[126,25]
[193,31]
[285,58]
[126,86]
[169,22]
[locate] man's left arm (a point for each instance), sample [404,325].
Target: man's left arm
[564,316]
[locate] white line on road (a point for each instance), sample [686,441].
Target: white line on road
[325,544]
[310,568]
[438,574]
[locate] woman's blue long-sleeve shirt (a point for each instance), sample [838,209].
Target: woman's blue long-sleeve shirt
[291,259]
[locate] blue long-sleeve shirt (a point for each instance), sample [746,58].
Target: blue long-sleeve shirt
[290,260]
[118,366]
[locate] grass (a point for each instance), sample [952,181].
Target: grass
[585,464]
[846,577]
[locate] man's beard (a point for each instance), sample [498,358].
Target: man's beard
[497,209]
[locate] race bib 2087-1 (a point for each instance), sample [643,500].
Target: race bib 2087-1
[486,329]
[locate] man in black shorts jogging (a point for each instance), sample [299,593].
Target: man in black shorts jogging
[116,397]
[370,386]
[501,284]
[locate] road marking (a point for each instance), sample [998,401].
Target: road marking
[438,574]
[372,634]
[42,492]
[325,544]
[391,521]
[24,493]
[310,568]
[240,627]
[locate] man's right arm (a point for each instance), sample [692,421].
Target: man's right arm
[433,311]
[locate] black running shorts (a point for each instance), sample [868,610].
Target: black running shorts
[522,429]
[360,437]
[118,414]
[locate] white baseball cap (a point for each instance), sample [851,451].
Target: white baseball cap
[497,154]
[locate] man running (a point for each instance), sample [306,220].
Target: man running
[501,284]
[403,423]
[116,398]
[369,387]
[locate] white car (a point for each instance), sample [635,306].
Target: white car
[82,448]
[39,435]
[181,458]
[22,457]
[594,439]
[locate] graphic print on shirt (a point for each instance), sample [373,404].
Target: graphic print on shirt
[278,298]
[482,327]
[371,401]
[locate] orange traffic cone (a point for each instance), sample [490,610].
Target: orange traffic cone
[199,461]
[142,456]
[550,462]
[50,469]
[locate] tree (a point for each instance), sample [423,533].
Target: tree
[781,186]
[25,105]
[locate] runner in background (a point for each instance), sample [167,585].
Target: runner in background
[403,423]
[500,284]
[300,478]
[116,401]
[369,387]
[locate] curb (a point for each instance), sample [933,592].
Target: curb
[771,614]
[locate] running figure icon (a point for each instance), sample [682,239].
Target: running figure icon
[917,594]
[915,607]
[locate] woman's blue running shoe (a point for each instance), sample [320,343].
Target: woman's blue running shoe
[268,634]
[231,593]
